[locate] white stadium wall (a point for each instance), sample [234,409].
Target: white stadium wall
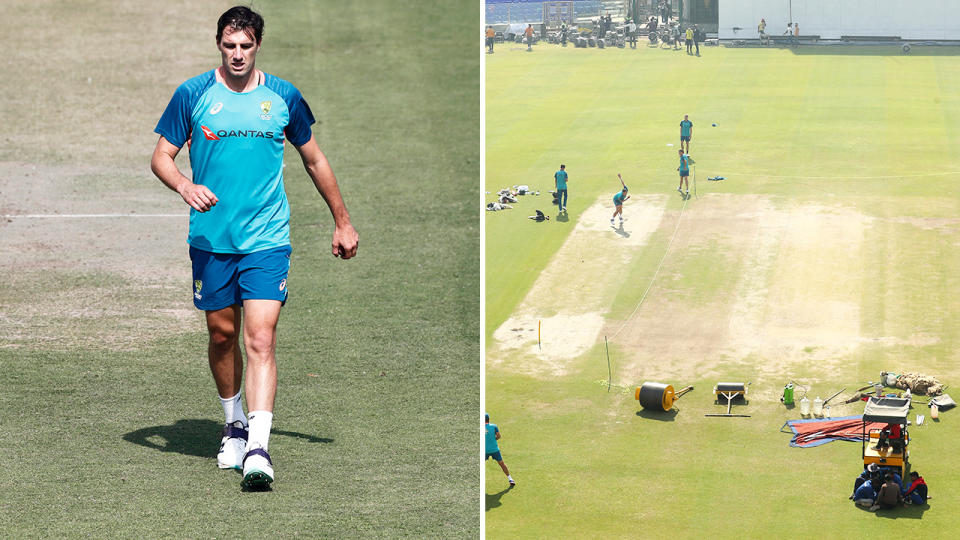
[831,19]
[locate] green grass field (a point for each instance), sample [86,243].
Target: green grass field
[826,256]
[110,420]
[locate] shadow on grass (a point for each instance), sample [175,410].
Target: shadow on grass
[195,437]
[913,511]
[563,217]
[736,406]
[493,500]
[663,416]
[622,232]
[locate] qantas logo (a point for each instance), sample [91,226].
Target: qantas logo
[244,133]
[208,133]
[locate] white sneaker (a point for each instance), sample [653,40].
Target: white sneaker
[257,469]
[611,221]
[232,446]
[511,480]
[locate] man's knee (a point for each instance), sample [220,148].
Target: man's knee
[222,330]
[259,342]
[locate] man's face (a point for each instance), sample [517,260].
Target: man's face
[239,51]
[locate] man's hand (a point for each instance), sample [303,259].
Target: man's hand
[199,197]
[345,241]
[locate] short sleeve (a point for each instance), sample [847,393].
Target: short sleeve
[174,125]
[298,131]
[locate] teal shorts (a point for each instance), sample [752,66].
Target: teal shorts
[221,280]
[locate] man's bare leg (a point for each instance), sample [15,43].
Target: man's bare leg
[226,365]
[223,350]
[260,319]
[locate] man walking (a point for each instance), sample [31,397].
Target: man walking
[529,33]
[560,180]
[492,434]
[235,120]
[490,36]
[686,130]
[689,40]
[684,168]
[697,37]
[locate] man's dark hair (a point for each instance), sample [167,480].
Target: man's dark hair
[562,166]
[914,474]
[240,18]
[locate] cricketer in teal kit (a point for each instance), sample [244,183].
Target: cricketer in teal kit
[560,180]
[686,130]
[225,128]
[235,120]
[491,435]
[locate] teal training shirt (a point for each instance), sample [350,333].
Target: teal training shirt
[236,150]
[685,127]
[492,445]
[684,162]
[561,177]
[618,198]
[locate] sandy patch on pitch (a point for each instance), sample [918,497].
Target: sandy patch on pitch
[567,303]
[795,305]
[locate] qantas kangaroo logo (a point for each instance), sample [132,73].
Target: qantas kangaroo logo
[208,133]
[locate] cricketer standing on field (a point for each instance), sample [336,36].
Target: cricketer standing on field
[235,120]
[686,130]
[560,181]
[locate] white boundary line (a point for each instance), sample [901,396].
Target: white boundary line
[88,216]
[888,177]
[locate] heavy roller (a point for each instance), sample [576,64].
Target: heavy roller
[658,396]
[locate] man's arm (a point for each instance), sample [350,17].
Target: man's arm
[199,197]
[345,237]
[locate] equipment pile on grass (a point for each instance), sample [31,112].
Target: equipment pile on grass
[920,384]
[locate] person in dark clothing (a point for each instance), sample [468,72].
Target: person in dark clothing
[889,495]
[865,495]
[871,471]
[917,492]
[892,436]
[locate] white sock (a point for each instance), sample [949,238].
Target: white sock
[233,409]
[260,423]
